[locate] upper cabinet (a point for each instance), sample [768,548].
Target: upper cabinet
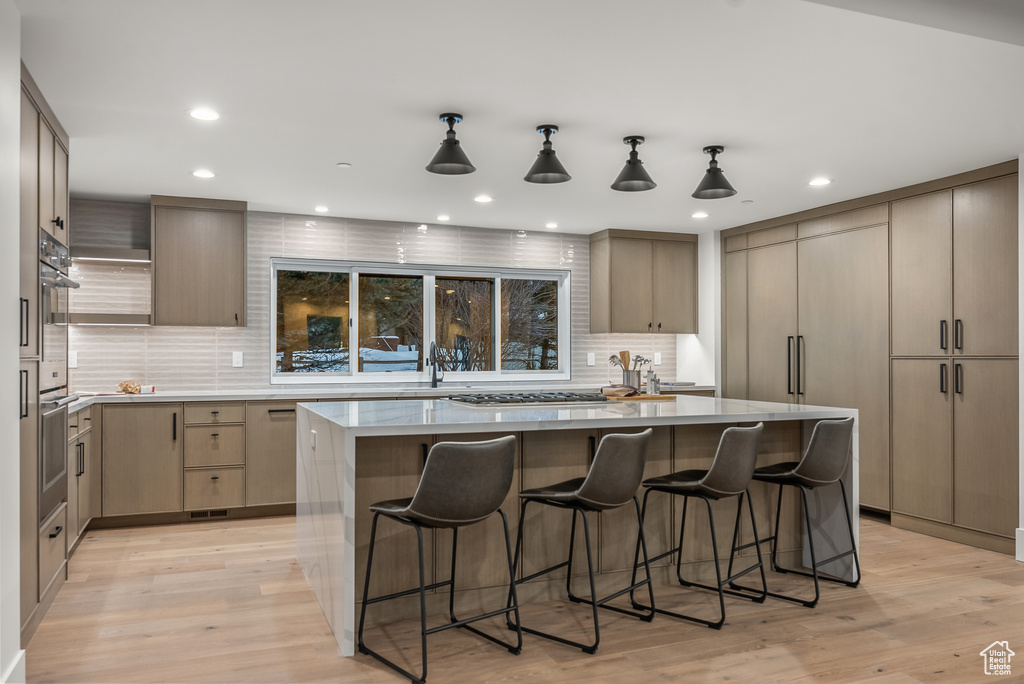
[198,252]
[954,271]
[643,282]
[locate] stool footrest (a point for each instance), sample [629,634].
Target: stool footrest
[542,572]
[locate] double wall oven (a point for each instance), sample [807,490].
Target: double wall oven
[53,373]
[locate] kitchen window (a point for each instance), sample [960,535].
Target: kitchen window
[363,322]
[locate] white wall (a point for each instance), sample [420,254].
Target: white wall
[696,355]
[1020,354]
[12,658]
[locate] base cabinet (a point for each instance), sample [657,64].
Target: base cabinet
[142,459]
[269,452]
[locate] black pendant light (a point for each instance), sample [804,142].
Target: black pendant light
[714,185]
[547,168]
[450,159]
[633,177]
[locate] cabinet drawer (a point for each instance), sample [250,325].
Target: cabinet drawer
[214,445]
[215,412]
[52,542]
[207,488]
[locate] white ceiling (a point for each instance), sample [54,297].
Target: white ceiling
[793,89]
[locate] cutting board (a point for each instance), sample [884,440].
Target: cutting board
[646,397]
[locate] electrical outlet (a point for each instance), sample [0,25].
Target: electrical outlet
[236,359]
[657,358]
[591,360]
[72,359]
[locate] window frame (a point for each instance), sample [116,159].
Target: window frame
[429,273]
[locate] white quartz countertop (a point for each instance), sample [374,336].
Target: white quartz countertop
[374,418]
[312,392]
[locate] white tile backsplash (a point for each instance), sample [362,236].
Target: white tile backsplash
[191,358]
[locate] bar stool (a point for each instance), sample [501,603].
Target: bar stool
[462,483]
[822,464]
[728,476]
[612,481]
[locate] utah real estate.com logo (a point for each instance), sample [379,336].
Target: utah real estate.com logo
[997,658]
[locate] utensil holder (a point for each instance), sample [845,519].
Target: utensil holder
[631,378]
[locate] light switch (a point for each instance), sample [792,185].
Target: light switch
[591,360]
[657,358]
[72,359]
[236,359]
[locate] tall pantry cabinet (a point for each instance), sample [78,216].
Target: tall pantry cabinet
[904,306]
[954,365]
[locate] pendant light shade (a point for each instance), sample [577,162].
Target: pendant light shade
[714,185]
[450,159]
[633,177]
[547,168]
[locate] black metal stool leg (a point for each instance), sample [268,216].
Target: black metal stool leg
[366,581]
[853,541]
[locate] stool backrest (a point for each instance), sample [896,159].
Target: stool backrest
[828,452]
[735,461]
[617,470]
[464,482]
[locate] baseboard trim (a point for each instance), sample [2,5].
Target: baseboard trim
[1020,544]
[15,674]
[960,535]
[178,517]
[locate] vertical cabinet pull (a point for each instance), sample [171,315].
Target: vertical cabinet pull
[593,448]
[174,426]
[24,394]
[659,327]
[943,378]
[799,374]
[958,335]
[958,378]
[789,365]
[426,451]
[943,335]
[23,323]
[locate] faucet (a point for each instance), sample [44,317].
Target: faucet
[432,362]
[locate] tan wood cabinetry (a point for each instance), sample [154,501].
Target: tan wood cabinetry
[734,324]
[28,341]
[214,455]
[88,473]
[269,452]
[53,183]
[53,535]
[771,322]
[390,469]
[643,282]
[29,470]
[142,458]
[198,252]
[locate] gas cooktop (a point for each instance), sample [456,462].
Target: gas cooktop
[529,398]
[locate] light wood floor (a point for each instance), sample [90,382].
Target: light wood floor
[227,602]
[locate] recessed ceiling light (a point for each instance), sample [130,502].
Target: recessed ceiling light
[551,225]
[746,201]
[483,199]
[820,181]
[322,209]
[699,214]
[203,173]
[204,114]
[344,165]
[444,217]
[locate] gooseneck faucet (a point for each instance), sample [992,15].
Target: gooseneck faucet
[432,362]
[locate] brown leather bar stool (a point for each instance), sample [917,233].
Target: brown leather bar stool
[462,483]
[729,476]
[823,464]
[612,481]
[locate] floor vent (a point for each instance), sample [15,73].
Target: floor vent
[218,514]
[202,515]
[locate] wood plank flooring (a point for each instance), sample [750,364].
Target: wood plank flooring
[227,602]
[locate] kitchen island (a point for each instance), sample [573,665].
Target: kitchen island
[351,454]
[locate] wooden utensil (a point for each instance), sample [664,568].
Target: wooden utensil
[624,357]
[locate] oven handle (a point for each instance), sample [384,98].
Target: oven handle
[57,403]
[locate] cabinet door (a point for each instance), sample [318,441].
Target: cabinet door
[771,320]
[844,350]
[88,483]
[674,287]
[47,143]
[922,268]
[73,480]
[142,459]
[29,468]
[198,267]
[985,450]
[60,193]
[922,438]
[29,249]
[270,452]
[389,468]
[631,291]
[734,372]
[985,266]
